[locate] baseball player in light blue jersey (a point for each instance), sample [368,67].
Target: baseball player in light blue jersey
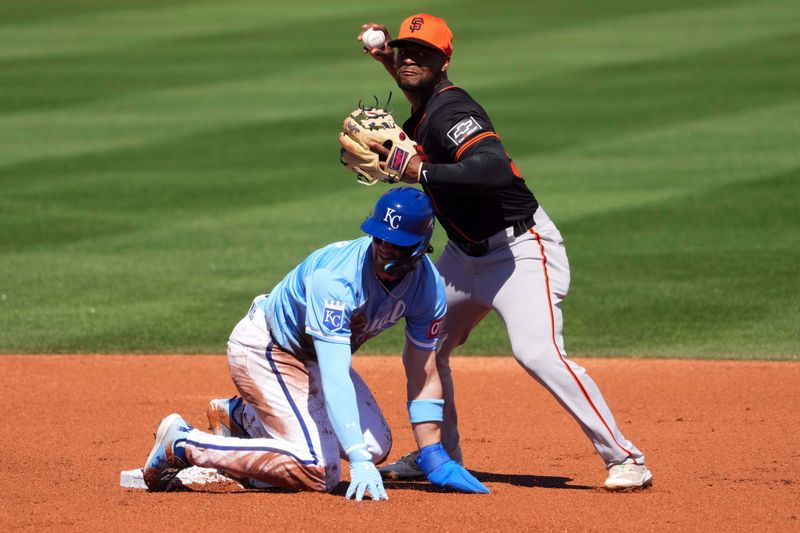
[302,406]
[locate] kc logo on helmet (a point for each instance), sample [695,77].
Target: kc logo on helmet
[391,218]
[416,24]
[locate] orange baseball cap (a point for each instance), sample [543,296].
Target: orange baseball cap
[426,30]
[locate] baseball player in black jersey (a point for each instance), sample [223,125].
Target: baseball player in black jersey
[503,251]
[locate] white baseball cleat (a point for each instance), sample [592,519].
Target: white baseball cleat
[628,476]
[407,468]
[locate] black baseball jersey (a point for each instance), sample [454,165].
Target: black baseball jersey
[474,185]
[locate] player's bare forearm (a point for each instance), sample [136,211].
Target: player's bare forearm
[422,383]
[422,377]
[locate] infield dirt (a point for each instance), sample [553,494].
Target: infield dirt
[720,436]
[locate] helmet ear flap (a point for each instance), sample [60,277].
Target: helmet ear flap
[410,262]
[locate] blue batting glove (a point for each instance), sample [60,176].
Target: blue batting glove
[365,477]
[443,472]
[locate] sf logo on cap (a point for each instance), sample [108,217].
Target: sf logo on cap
[391,218]
[416,24]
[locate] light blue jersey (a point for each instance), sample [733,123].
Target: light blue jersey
[334,296]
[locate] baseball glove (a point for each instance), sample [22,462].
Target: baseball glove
[374,124]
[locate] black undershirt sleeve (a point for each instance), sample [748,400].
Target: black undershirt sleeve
[484,168]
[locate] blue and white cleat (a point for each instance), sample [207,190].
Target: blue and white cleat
[225,417]
[168,456]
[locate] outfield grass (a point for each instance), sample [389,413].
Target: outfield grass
[163,162]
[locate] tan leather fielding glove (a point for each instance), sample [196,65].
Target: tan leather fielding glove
[374,124]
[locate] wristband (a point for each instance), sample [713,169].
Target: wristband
[423,175]
[432,457]
[425,411]
[358,452]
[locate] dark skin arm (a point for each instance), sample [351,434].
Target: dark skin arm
[416,69]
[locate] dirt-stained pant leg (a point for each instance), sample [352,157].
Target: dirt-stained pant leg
[293,443]
[377,434]
[529,302]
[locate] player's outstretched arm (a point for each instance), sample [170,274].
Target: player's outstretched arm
[425,409]
[341,405]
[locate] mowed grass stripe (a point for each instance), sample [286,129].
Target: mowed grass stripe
[713,274]
[257,54]
[620,100]
[118,26]
[17,13]
[666,163]
[200,161]
[85,124]
[201,270]
[273,79]
[707,264]
[204,175]
[192,175]
[526,51]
